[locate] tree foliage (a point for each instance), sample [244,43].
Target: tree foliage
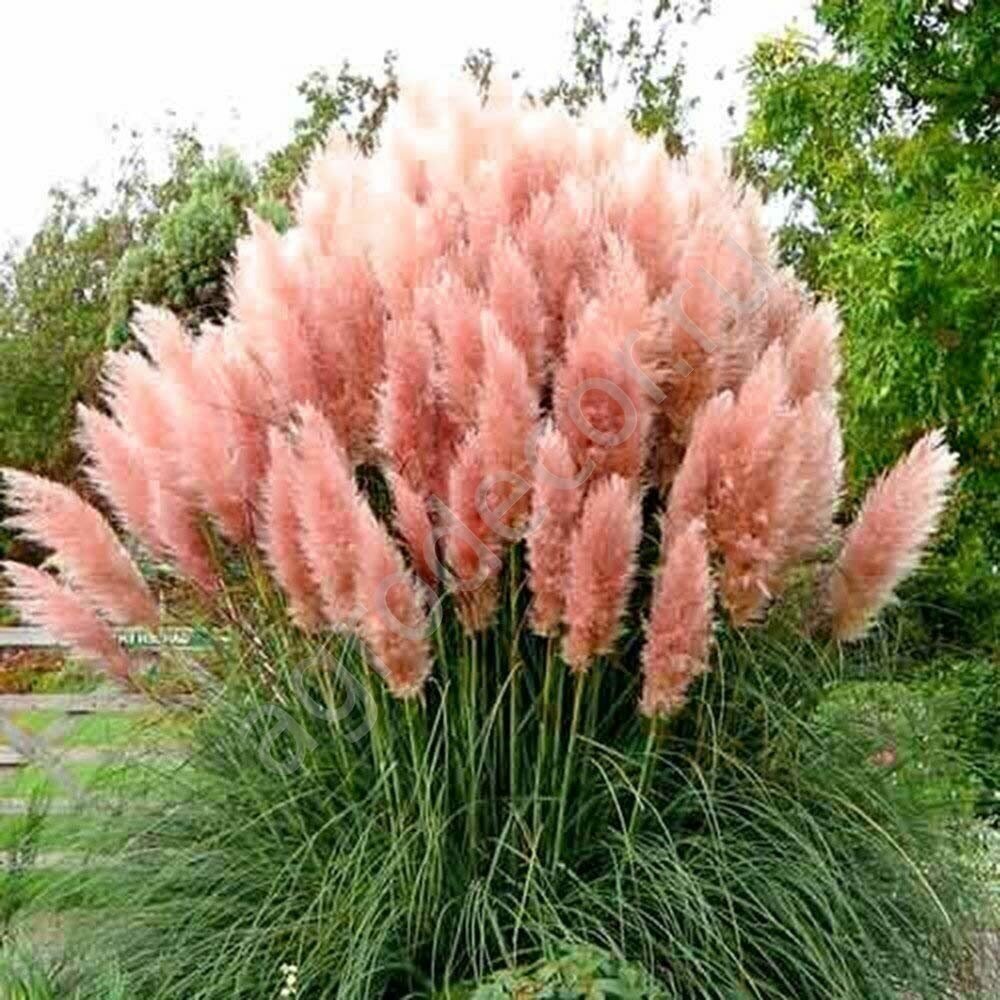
[636,61]
[52,313]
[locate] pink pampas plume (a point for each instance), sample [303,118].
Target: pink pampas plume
[223,463]
[281,535]
[38,598]
[393,622]
[164,337]
[601,569]
[811,350]
[415,431]
[689,494]
[746,512]
[601,406]
[602,412]
[515,301]
[677,636]
[117,468]
[784,307]
[267,306]
[651,221]
[885,542]
[137,397]
[416,530]
[507,413]
[145,404]
[178,524]
[739,475]
[344,307]
[815,474]
[557,496]
[249,413]
[84,548]
[472,543]
[562,237]
[456,312]
[682,351]
[328,508]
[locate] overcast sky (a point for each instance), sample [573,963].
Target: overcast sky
[71,69]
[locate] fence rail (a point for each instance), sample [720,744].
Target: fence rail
[173,637]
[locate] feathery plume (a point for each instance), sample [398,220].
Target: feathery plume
[689,494]
[165,339]
[813,363]
[885,542]
[680,350]
[415,431]
[507,414]
[677,635]
[814,474]
[179,526]
[416,530]
[602,565]
[651,223]
[344,309]
[117,468]
[40,599]
[137,396]
[221,469]
[267,306]
[516,303]
[747,494]
[281,537]
[328,506]
[393,621]
[602,413]
[562,237]
[600,406]
[783,308]
[557,496]
[456,313]
[472,543]
[84,548]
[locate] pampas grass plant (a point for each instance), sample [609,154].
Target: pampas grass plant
[486,439]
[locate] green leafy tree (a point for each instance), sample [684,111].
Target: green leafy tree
[182,263]
[352,101]
[887,150]
[52,315]
[635,60]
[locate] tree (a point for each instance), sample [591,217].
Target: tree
[52,300]
[637,61]
[887,149]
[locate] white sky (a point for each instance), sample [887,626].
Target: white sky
[70,69]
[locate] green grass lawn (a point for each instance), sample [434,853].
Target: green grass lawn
[100,778]
[34,721]
[132,736]
[104,729]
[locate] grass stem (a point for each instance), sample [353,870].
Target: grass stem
[579,684]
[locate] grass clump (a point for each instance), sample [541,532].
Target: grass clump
[754,848]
